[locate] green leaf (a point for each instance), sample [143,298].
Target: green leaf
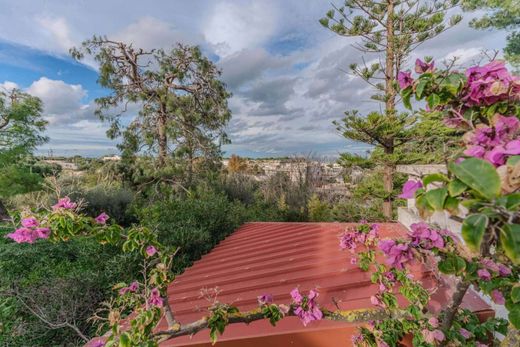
[456,187]
[473,229]
[420,88]
[452,265]
[514,317]
[436,177]
[436,197]
[451,204]
[479,175]
[433,100]
[510,241]
[515,293]
[407,93]
[124,340]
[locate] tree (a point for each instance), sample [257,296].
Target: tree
[388,30]
[182,101]
[21,124]
[502,14]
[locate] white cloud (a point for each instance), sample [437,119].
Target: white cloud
[57,31]
[149,32]
[62,102]
[7,86]
[233,27]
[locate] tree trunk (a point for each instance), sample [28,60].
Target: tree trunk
[163,139]
[389,106]
[4,215]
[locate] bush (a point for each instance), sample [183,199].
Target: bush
[65,282]
[195,223]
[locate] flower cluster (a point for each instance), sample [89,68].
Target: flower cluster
[496,142]
[365,234]
[64,203]
[305,307]
[29,232]
[435,335]
[132,288]
[155,298]
[397,254]
[422,235]
[490,84]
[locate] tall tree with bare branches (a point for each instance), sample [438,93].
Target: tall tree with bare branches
[388,31]
[180,96]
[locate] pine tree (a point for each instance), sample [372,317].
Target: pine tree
[388,30]
[502,14]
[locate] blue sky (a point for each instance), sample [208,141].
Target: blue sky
[285,71]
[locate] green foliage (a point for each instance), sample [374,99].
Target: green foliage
[66,281]
[473,229]
[21,125]
[501,14]
[318,211]
[479,175]
[194,223]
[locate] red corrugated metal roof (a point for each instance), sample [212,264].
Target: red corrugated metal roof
[274,258]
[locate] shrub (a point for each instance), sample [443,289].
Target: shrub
[64,281]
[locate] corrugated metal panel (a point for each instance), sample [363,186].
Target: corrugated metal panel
[274,258]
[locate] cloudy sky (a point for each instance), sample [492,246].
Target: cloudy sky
[288,75]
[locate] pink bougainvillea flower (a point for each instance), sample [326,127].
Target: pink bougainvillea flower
[64,203]
[423,67]
[98,343]
[490,264]
[102,218]
[503,270]
[265,299]
[498,297]
[348,241]
[284,308]
[432,336]
[132,288]
[475,151]
[306,308]
[42,233]
[155,298]
[404,78]
[484,274]
[506,126]
[434,322]
[465,333]
[397,254]
[409,189]
[23,235]
[424,236]
[30,222]
[151,250]
[353,261]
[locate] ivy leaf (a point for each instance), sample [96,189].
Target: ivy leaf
[436,197]
[473,229]
[479,175]
[510,241]
[420,88]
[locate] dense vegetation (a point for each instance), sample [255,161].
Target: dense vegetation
[171,179]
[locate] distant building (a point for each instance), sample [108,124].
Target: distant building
[111,158]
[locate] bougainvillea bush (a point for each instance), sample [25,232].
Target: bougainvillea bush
[479,190]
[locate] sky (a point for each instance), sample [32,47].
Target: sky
[288,75]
